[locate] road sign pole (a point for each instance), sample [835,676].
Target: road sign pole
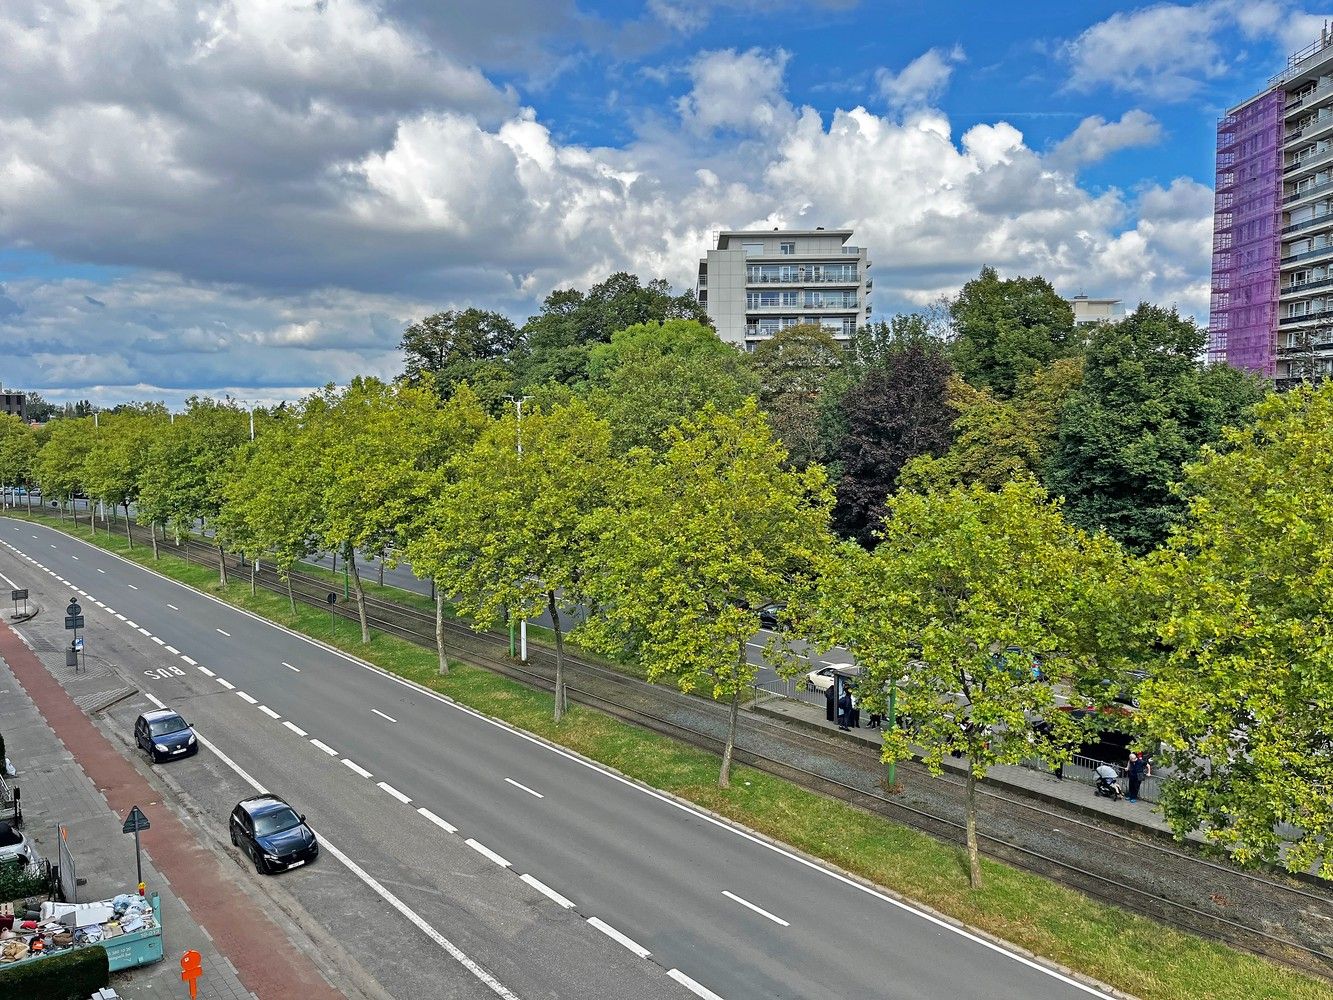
[138,859]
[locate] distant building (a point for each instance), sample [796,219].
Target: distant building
[1090,312]
[755,283]
[1272,287]
[15,404]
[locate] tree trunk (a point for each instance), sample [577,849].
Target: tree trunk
[291,598]
[724,778]
[92,517]
[973,860]
[349,563]
[62,511]
[222,566]
[253,565]
[335,562]
[152,533]
[561,702]
[30,498]
[381,572]
[439,629]
[129,535]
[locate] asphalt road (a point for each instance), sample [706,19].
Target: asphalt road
[703,899]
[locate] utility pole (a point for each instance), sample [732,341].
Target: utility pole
[523,623]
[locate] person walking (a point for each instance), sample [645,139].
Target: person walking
[844,710]
[1137,771]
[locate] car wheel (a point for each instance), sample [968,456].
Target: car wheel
[232,830]
[261,867]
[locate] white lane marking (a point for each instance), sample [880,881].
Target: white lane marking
[486,852]
[442,824]
[386,787]
[157,640]
[696,988]
[172,649]
[383,716]
[173,607]
[191,662]
[525,788]
[616,936]
[131,586]
[325,747]
[205,671]
[757,909]
[295,728]
[34,536]
[9,581]
[290,667]
[52,544]
[357,768]
[121,617]
[572,757]
[99,604]
[100,570]
[144,631]
[131,623]
[74,557]
[227,634]
[226,684]
[269,712]
[150,697]
[547,891]
[246,698]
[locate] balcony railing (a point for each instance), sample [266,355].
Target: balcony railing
[1312,189]
[846,305]
[1308,254]
[1305,286]
[1321,117]
[1304,160]
[1308,223]
[823,279]
[1313,317]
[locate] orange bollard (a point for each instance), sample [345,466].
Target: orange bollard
[192,967]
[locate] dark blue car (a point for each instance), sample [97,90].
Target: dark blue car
[273,834]
[163,735]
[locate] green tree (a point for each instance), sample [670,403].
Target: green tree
[1144,409]
[796,368]
[964,587]
[512,520]
[652,375]
[1242,695]
[1007,328]
[59,463]
[458,346]
[116,461]
[692,541]
[18,451]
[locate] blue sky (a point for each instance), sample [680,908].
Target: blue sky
[255,196]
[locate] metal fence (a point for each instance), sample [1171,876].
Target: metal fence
[1084,770]
[69,883]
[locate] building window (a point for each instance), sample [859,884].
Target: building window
[788,248]
[753,249]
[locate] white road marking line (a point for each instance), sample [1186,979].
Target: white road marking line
[226,684]
[120,616]
[695,988]
[246,698]
[131,586]
[101,570]
[193,663]
[661,797]
[99,604]
[144,631]
[295,728]
[157,640]
[525,788]
[325,747]
[131,623]
[357,768]
[757,909]
[290,667]
[173,607]
[227,634]
[616,936]
[547,891]
[386,787]
[172,649]
[53,544]
[383,716]
[442,824]
[269,712]
[486,852]
[153,700]
[205,671]
[74,557]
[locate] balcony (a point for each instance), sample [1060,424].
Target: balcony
[1314,317]
[847,305]
[1301,102]
[806,279]
[1308,255]
[1305,286]
[1308,192]
[1321,122]
[1324,219]
[1309,161]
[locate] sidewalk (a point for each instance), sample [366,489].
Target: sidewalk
[1071,792]
[71,774]
[56,791]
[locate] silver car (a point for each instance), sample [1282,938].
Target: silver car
[14,845]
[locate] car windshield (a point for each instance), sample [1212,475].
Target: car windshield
[169,724]
[276,822]
[9,836]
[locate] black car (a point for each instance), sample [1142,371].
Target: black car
[274,835]
[770,615]
[164,735]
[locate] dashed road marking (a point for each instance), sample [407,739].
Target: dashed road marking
[695,988]
[295,728]
[247,698]
[383,716]
[173,607]
[325,747]
[547,891]
[226,683]
[525,788]
[172,649]
[193,663]
[357,768]
[269,712]
[757,909]
[619,938]
[384,786]
[131,586]
[205,671]
[442,824]
[290,667]
[486,852]
[227,634]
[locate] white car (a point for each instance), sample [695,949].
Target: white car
[15,845]
[821,679]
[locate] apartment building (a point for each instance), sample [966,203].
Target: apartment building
[754,283]
[1272,275]
[14,403]
[1090,311]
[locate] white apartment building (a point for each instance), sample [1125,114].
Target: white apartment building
[1090,312]
[755,282]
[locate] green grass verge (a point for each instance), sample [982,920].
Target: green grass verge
[1135,954]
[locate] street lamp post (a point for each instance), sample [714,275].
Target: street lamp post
[518,402]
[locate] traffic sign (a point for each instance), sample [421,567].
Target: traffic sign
[73,608]
[78,644]
[19,595]
[135,821]
[74,622]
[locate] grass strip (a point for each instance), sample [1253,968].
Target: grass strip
[1132,953]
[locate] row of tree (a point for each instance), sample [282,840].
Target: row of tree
[1222,634]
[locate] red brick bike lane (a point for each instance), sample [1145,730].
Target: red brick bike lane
[243,933]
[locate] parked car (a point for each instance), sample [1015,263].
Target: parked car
[770,615]
[273,834]
[164,735]
[821,679]
[14,846]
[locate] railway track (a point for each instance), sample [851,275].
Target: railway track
[1280,918]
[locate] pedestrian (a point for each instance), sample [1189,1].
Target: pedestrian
[830,711]
[1138,770]
[844,710]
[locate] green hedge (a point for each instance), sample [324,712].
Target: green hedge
[17,882]
[71,975]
